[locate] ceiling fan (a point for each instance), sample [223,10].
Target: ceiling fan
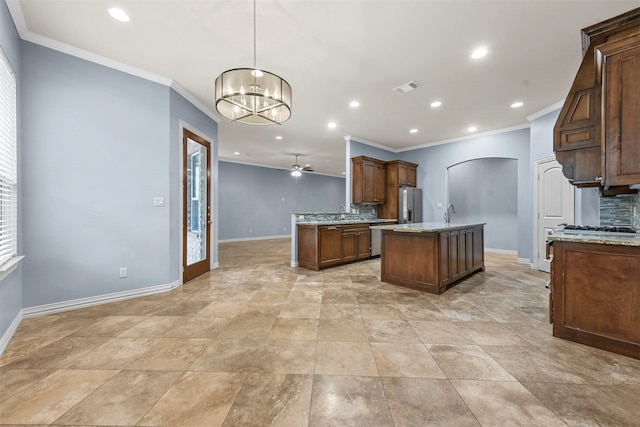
[296,169]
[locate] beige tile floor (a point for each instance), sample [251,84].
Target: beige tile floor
[257,343]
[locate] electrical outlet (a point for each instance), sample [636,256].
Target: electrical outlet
[123,272]
[158,202]
[439,205]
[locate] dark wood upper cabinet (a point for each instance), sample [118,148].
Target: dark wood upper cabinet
[369,179]
[399,173]
[597,135]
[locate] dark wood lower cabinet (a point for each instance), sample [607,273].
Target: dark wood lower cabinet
[329,245]
[431,261]
[595,295]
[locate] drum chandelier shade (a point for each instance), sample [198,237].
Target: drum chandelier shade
[251,95]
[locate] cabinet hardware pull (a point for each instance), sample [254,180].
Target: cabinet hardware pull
[599,179]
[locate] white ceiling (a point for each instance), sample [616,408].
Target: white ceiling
[336,51]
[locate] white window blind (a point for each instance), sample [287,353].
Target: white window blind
[8,161]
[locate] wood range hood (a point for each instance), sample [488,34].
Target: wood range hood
[596,138]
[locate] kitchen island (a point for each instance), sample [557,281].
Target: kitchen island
[595,290]
[430,256]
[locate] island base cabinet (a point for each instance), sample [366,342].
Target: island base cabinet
[595,295]
[431,261]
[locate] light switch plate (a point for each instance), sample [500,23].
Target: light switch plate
[439,205]
[158,201]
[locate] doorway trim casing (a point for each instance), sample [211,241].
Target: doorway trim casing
[536,221]
[214,185]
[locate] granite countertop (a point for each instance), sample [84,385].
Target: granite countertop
[317,213]
[603,238]
[346,221]
[426,227]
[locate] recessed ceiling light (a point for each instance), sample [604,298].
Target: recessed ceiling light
[414,131]
[237,153]
[436,104]
[517,104]
[332,125]
[344,173]
[354,104]
[479,52]
[472,128]
[118,14]
[278,137]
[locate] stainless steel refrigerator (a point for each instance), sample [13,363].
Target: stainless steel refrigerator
[409,205]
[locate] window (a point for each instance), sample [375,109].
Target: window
[8,162]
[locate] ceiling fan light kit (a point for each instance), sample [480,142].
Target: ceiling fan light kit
[296,169]
[253,96]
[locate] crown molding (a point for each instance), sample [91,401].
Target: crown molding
[547,110]
[350,138]
[227,160]
[444,141]
[466,137]
[15,10]
[195,101]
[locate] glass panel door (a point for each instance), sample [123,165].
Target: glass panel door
[197,209]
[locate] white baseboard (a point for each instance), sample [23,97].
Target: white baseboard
[526,261]
[501,251]
[42,310]
[294,264]
[58,307]
[6,337]
[246,239]
[215,265]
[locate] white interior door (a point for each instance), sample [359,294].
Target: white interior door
[555,205]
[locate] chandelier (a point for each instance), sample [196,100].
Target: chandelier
[253,96]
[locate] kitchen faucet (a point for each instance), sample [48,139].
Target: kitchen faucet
[447,217]
[342,212]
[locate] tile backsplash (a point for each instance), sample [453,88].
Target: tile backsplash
[620,211]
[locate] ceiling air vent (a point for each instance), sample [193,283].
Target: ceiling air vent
[407,87]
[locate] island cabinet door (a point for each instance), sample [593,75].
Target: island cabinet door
[478,248]
[462,252]
[329,242]
[445,277]
[454,244]
[469,261]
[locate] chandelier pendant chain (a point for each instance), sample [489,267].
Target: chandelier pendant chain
[254,36]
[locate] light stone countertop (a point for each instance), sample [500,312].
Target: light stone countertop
[602,238]
[346,221]
[426,227]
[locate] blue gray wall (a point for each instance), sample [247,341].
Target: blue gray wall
[257,201]
[486,190]
[98,152]
[434,162]
[101,146]
[11,286]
